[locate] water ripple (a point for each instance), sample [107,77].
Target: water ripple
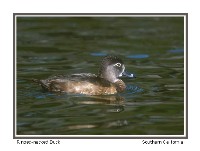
[176,51]
[98,54]
[131,89]
[138,56]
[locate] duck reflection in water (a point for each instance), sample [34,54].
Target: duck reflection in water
[114,103]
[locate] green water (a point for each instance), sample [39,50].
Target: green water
[151,47]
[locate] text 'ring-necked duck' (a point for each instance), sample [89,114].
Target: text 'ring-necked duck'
[106,82]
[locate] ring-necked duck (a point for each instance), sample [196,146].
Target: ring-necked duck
[106,82]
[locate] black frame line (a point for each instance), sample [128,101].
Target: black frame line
[104,15]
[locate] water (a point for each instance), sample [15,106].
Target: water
[151,47]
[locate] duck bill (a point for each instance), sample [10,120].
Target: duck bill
[127,74]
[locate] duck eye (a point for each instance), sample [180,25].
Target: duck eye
[118,64]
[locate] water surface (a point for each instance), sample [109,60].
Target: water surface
[151,47]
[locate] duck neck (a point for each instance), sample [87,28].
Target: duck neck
[109,76]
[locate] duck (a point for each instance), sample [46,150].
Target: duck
[106,82]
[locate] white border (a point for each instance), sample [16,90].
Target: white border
[107,136]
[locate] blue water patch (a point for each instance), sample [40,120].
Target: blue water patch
[98,54]
[176,50]
[44,95]
[138,56]
[41,97]
[131,89]
[23,124]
